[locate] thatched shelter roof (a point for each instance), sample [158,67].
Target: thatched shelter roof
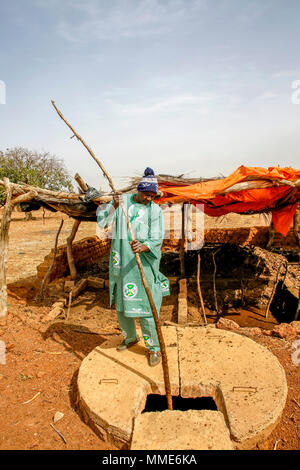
[246,191]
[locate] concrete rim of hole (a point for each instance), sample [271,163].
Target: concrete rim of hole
[245,379]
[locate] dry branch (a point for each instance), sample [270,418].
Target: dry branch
[214,280]
[258,184]
[39,297]
[18,189]
[199,290]
[80,182]
[70,256]
[4,239]
[4,236]
[69,306]
[182,243]
[58,432]
[273,291]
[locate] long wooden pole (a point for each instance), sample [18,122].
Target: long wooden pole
[4,240]
[214,281]
[139,263]
[182,243]
[199,290]
[273,291]
[40,296]
[71,262]
[4,249]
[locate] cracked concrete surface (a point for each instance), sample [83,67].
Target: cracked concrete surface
[246,381]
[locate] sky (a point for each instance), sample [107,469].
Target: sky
[194,87]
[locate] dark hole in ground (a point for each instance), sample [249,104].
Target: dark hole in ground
[98,269]
[284,305]
[159,403]
[292,256]
[232,260]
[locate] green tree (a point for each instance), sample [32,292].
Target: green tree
[40,169]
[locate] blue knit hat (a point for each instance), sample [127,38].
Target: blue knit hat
[148,182]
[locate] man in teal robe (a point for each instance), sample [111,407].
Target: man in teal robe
[127,291]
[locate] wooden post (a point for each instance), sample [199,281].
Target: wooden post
[199,290]
[71,237]
[182,244]
[4,239]
[40,295]
[70,256]
[140,267]
[80,182]
[4,249]
[298,308]
[214,281]
[273,291]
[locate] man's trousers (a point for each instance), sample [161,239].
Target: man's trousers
[148,328]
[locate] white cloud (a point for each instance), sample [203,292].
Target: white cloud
[267,95]
[125,19]
[286,73]
[172,103]
[251,12]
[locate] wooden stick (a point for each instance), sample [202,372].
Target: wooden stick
[40,296]
[19,189]
[259,184]
[80,182]
[69,306]
[243,292]
[285,274]
[214,280]
[199,290]
[182,244]
[273,291]
[31,399]
[4,240]
[293,399]
[58,432]
[140,266]
[275,446]
[298,308]
[70,256]
[4,237]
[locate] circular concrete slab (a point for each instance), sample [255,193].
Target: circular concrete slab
[177,430]
[246,381]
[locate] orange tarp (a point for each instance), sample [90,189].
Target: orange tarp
[219,197]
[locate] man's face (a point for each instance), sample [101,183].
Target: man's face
[145,197]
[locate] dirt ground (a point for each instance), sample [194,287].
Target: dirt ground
[43,357]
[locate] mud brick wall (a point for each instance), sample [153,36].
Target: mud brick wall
[256,236]
[88,250]
[85,251]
